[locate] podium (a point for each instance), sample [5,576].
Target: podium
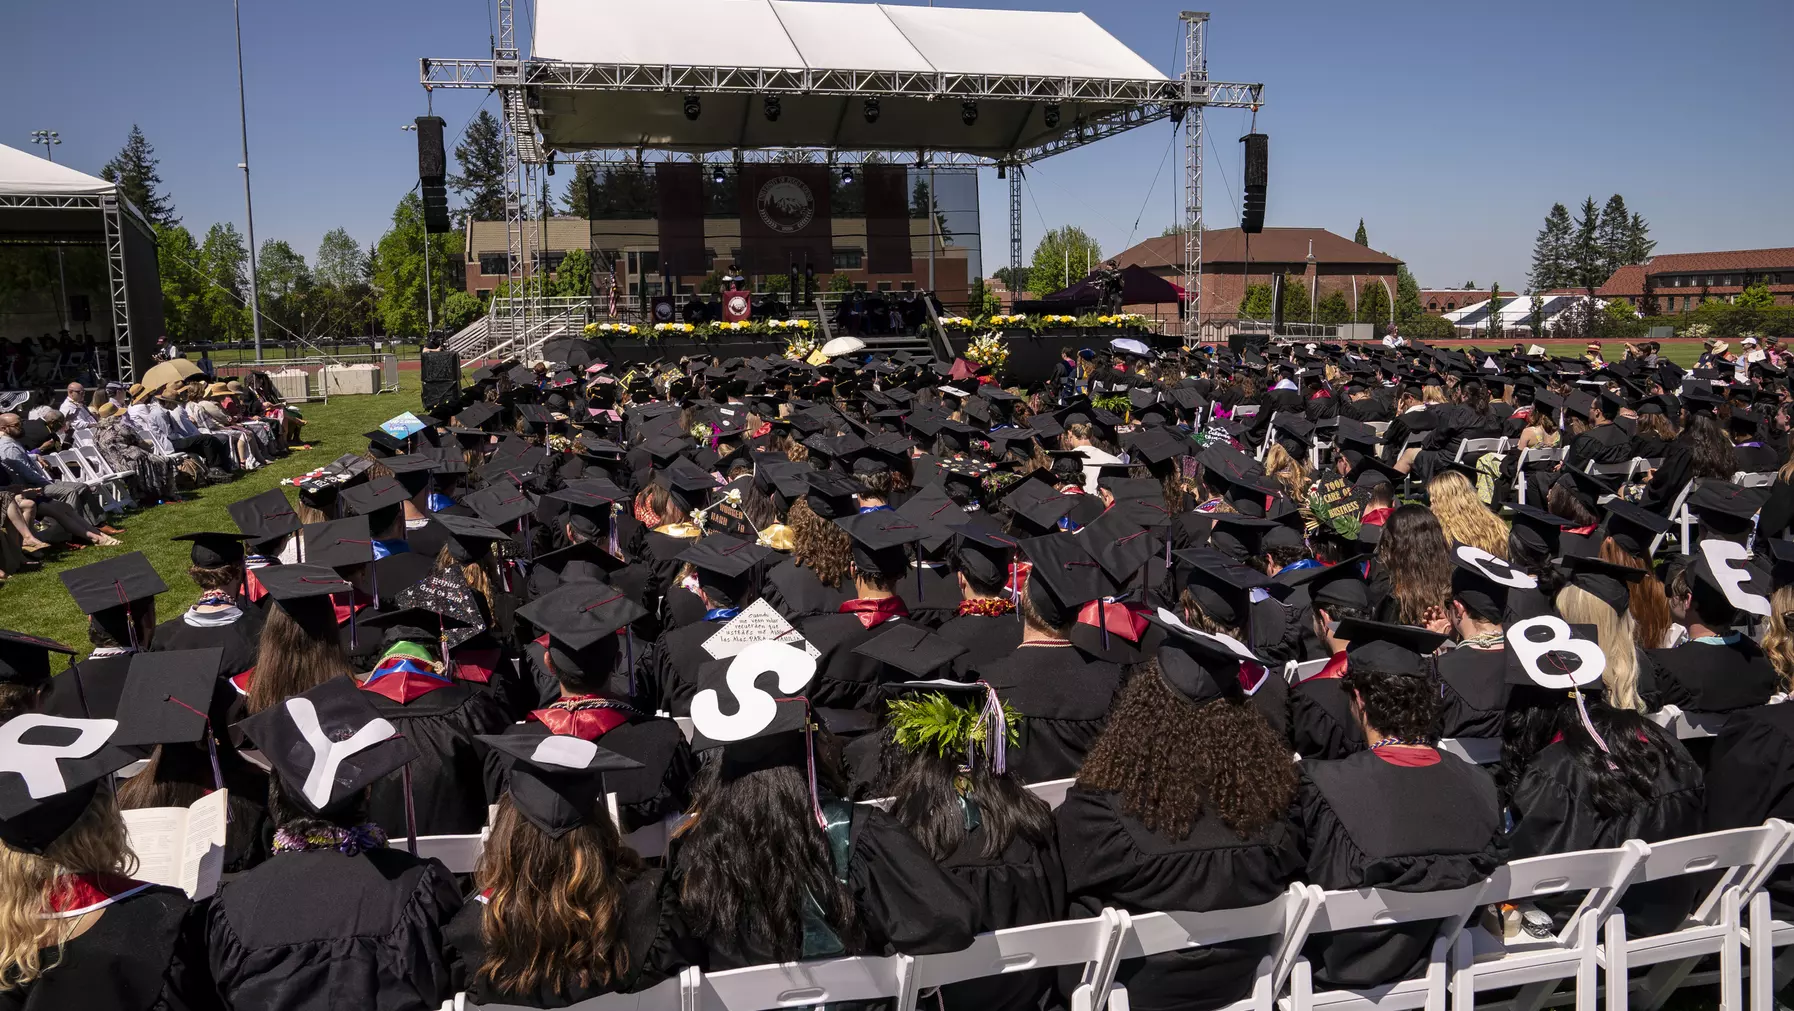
[737,306]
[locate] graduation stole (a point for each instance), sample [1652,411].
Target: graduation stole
[587,717]
[406,672]
[1124,619]
[873,613]
[72,895]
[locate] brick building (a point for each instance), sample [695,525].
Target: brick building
[1439,301]
[1682,281]
[1339,264]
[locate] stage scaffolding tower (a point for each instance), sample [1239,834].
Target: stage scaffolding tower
[1137,102]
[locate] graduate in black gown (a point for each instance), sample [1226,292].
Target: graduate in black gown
[118,596]
[1400,814]
[1473,671]
[346,547]
[334,918]
[24,670]
[1222,597]
[1750,773]
[1719,669]
[728,574]
[585,624]
[769,870]
[985,622]
[86,935]
[1062,694]
[564,911]
[302,646]
[411,688]
[222,616]
[1199,827]
[815,580]
[1321,721]
[846,678]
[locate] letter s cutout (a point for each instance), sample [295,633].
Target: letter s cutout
[794,667]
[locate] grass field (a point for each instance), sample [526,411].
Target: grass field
[1681,352]
[36,602]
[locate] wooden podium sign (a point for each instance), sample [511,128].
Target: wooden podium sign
[737,306]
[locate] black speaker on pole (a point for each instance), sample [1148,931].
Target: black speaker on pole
[432,171]
[1257,177]
[80,310]
[436,209]
[1277,303]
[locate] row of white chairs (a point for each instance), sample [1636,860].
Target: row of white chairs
[84,464]
[1734,922]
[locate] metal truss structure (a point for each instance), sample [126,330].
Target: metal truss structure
[1141,102]
[113,212]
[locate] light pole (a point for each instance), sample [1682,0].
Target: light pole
[1314,284]
[49,139]
[429,301]
[255,305]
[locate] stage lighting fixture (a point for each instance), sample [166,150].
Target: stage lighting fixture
[870,110]
[551,163]
[1052,116]
[772,108]
[1002,171]
[717,176]
[968,112]
[847,177]
[693,109]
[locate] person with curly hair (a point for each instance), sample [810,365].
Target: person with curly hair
[1183,804]
[1401,806]
[814,580]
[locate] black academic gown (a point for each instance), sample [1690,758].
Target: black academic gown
[667,675]
[1474,692]
[1750,779]
[1111,859]
[134,959]
[319,931]
[240,640]
[1019,887]
[1321,723]
[1707,677]
[844,679]
[653,955]
[907,903]
[447,777]
[1600,444]
[1553,813]
[1063,697]
[1367,822]
[985,638]
[936,601]
[795,592]
[657,790]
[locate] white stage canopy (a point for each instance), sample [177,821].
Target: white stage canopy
[615,74]
[23,174]
[1516,312]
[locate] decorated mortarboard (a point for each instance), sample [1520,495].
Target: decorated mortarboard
[879,541]
[328,744]
[1340,585]
[289,583]
[501,502]
[1608,581]
[50,767]
[370,498]
[1482,580]
[214,550]
[1389,649]
[25,659]
[470,537]
[1725,572]
[168,697]
[115,582]
[1548,652]
[556,781]
[911,648]
[831,496]
[1062,578]
[266,516]
[1199,666]
[337,544]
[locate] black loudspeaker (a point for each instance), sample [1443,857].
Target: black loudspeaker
[1277,303]
[1258,172]
[432,162]
[80,310]
[436,209]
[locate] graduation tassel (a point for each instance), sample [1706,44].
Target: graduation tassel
[614,509]
[410,811]
[1102,618]
[629,653]
[810,768]
[999,731]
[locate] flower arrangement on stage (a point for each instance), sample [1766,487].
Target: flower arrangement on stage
[596,329]
[1123,321]
[801,346]
[960,322]
[1001,320]
[776,325]
[731,326]
[1054,320]
[666,328]
[989,349]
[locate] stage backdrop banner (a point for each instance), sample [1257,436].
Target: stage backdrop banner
[785,218]
[887,219]
[681,189]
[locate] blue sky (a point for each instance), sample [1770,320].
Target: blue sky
[1449,127]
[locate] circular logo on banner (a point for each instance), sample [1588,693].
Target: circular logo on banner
[738,304]
[786,204]
[663,311]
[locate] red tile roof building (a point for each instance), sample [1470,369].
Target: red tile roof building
[1682,281]
[1339,264]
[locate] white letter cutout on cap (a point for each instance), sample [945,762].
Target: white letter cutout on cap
[1720,556]
[794,667]
[564,750]
[1562,641]
[328,755]
[1495,568]
[36,763]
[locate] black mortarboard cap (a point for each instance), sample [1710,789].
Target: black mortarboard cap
[381,444]
[1159,444]
[1222,587]
[1340,585]
[690,484]
[911,648]
[423,625]
[412,471]
[1197,666]
[780,741]
[68,757]
[729,557]
[365,747]
[1118,544]
[168,697]
[1241,537]
[1725,507]
[338,544]
[831,496]
[1633,527]
[984,550]
[470,537]
[1541,531]
[579,560]
[25,659]
[1063,576]
[266,516]
[936,513]
[1390,649]
[1608,581]
[501,502]
[477,415]
[376,495]
[300,582]
[579,614]
[556,780]
[214,550]
[114,582]
[1037,502]
[879,539]
[1482,580]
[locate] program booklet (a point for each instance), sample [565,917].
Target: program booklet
[181,847]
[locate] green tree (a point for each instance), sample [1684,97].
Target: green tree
[1373,303]
[340,262]
[1538,315]
[1362,237]
[573,278]
[458,310]
[775,284]
[577,199]
[1756,296]
[285,287]
[134,170]
[1551,252]
[981,300]
[1407,295]
[839,283]
[179,262]
[1013,278]
[1257,304]
[1619,311]
[1586,258]
[225,261]
[1061,256]
[1613,234]
[1495,323]
[1638,239]
[1333,309]
[1295,300]
[481,184]
[398,272]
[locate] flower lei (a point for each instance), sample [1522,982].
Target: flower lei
[351,841]
[986,607]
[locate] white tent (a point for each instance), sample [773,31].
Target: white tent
[1516,312]
[819,60]
[27,174]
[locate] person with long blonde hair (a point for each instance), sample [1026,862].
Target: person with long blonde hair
[1463,516]
[1599,594]
[1778,640]
[75,930]
[1287,471]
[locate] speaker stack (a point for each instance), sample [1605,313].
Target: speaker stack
[432,172]
[1258,172]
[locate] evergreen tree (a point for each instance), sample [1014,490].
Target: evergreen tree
[573,278]
[1373,304]
[1257,303]
[1638,239]
[1585,249]
[1333,309]
[1614,235]
[134,170]
[577,199]
[1362,238]
[183,283]
[1407,295]
[1495,324]
[481,184]
[1551,252]
[1295,300]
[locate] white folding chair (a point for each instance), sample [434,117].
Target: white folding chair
[671,994]
[1270,436]
[1688,726]
[1747,479]
[1285,919]
[459,853]
[1091,942]
[64,465]
[1378,427]
[800,984]
[1052,791]
[1764,933]
[686,727]
[1474,448]
[1679,514]
[1486,962]
[1528,456]
[1244,411]
[1381,907]
[1296,673]
[1475,750]
[114,489]
[1715,927]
